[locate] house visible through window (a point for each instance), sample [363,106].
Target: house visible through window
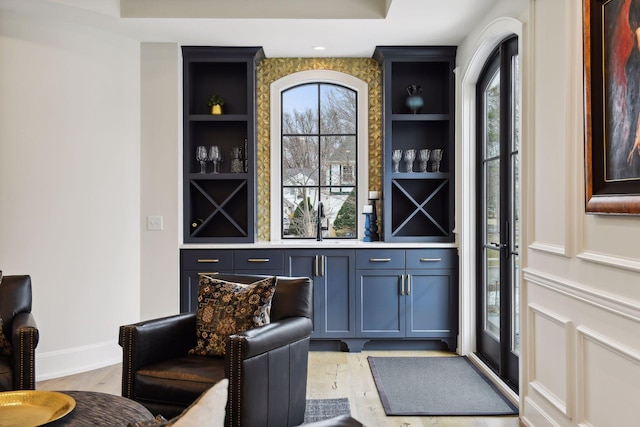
[319,152]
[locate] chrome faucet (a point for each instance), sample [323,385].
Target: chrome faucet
[319,227]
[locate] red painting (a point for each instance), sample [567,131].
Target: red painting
[622,89]
[612,106]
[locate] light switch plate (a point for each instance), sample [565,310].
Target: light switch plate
[154,222]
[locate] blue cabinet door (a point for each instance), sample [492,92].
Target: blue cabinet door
[189,283]
[338,294]
[302,263]
[189,291]
[333,274]
[428,303]
[380,304]
[193,263]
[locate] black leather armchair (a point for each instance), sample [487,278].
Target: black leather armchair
[266,366]
[17,371]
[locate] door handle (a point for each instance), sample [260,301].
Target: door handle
[319,265]
[408,284]
[258,260]
[316,272]
[402,284]
[208,273]
[430,259]
[379,259]
[203,260]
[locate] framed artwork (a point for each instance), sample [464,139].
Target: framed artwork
[612,106]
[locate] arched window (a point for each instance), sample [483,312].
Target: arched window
[318,155]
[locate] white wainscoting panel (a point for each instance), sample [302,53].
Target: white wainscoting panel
[534,416]
[610,261]
[608,381]
[549,370]
[582,367]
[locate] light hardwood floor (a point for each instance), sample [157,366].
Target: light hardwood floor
[331,375]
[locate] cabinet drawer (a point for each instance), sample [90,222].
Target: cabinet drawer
[432,258]
[206,260]
[380,258]
[258,260]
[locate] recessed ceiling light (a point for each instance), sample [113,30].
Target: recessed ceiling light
[319,48]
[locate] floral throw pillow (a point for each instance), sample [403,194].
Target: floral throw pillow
[5,344]
[227,308]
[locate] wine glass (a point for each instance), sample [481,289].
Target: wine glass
[409,157]
[396,157]
[436,157]
[424,155]
[215,157]
[201,156]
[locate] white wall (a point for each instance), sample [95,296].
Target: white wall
[70,183]
[161,135]
[581,282]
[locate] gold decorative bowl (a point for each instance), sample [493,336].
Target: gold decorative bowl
[30,408]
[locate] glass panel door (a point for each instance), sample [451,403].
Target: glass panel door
[498,329]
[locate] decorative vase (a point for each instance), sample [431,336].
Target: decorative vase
[236,160]
[414,102]
[216,109]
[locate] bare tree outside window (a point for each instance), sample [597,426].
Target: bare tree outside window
[319,151]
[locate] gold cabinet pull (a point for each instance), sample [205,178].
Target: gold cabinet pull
[205,260]
[402,284]
[208,273]
[379,259]
[408,284]
[258,260]
[430,259]
[316,272]
[322,265]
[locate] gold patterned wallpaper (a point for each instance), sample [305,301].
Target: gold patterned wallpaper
[272,69]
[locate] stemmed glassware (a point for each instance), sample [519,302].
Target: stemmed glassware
[409,157]
[201,156]
[215,157]
[436,157]
[424,155]
[396,157]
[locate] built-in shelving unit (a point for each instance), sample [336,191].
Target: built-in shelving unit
[219,207]
[418,206]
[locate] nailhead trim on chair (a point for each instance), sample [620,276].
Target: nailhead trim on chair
[29,382]
[127,339]
[235,372]
[20,359]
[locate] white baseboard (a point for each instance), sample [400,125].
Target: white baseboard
[61,363]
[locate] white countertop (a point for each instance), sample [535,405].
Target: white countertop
[325,244]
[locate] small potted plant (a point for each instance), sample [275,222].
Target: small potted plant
[216,102]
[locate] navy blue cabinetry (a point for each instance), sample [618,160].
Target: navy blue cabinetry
[195,262]
[410,294]
[380,293]
[333,274]
[360,295]
[258,261]
[219,207]
[418,201]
